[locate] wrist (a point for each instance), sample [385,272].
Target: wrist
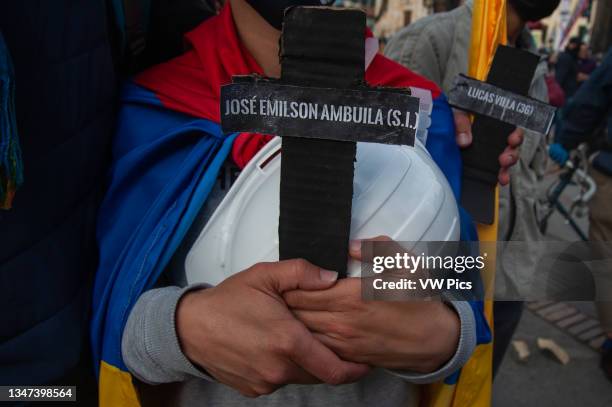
[435,354]
[443,339]
[188,319]
[450,332]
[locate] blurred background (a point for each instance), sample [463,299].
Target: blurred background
[591,20]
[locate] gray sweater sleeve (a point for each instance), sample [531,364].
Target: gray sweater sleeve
[149,346]
[152,352]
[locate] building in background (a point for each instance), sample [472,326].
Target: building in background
[601,33]
[386,17]
[591,20]
[573,18]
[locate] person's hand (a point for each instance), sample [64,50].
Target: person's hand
[415,335]
[509,157]
[582,77]
[558,153]
[242,333]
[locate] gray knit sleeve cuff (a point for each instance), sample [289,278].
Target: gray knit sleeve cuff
[465,348]
[150,346]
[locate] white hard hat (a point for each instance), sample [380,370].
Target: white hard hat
[398,191]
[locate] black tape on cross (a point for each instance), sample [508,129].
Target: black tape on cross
[320,47]
[511,70]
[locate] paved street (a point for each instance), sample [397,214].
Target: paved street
[542,381]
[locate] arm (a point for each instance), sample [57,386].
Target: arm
[465,347]
[589,107]
[149,346]
[240,332]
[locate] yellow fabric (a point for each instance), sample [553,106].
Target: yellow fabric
[116,388]
[474,387]
[438,395]
[488,31]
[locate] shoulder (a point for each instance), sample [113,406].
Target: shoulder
[385,72]
[145,119]
[432,33]
[432,25]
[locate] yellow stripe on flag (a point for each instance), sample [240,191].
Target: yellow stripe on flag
[116,388]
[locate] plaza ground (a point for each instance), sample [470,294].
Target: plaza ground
[542,381]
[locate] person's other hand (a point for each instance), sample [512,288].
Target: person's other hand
[242,333]
[509,157]
[558,153]
[414,335]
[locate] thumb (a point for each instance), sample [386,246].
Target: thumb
[289,275]
[463,128]
[355,246]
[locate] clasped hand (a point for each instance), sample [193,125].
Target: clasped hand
[292,322]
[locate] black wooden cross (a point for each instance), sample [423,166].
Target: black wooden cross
[500,104]
[321,107]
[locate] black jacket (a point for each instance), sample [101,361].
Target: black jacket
[65,105]
[566,73]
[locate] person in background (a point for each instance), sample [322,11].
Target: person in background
[590,110]
[63,111]
[566,68]
[437,47]
[586,64]
[59,78]
[556,95]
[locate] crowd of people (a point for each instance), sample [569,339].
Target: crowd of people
[124,161]
[586,117]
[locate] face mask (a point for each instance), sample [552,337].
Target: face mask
[272,10]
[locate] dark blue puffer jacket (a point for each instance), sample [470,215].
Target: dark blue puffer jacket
[65,104]
[590,108]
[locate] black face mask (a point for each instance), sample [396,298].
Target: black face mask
[272,10]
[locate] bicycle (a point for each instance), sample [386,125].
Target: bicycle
[575,172]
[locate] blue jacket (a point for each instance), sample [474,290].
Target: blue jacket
[590,108]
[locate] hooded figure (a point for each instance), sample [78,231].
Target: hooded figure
[566,69]
[534,10]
